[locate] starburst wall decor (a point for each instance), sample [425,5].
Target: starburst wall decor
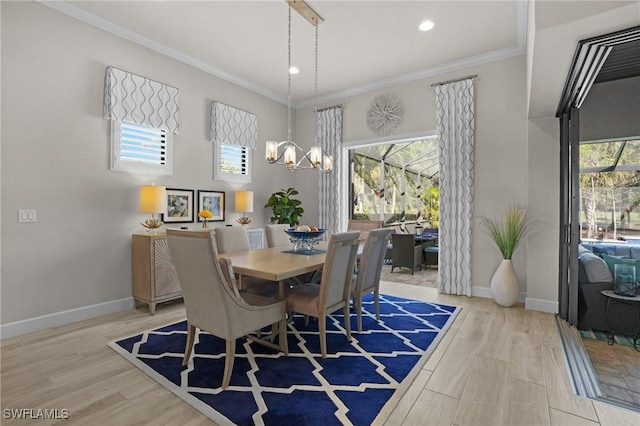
[384,114]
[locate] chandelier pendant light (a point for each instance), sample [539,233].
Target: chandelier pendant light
[289,153]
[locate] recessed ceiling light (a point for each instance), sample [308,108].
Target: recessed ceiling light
[426,26]
[293,70]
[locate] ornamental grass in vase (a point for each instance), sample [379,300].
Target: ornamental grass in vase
[507,234]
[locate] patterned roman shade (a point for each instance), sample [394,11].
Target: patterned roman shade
[233,126]
[130,97]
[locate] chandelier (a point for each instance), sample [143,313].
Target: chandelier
[288,153]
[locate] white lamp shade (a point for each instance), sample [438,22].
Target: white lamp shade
[244,201]
[152,198]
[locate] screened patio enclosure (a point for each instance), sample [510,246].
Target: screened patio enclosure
[610,189]
[396,183]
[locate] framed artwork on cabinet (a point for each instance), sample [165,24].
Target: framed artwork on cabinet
[212,201]
[179,207]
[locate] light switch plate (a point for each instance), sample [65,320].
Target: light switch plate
[26,215]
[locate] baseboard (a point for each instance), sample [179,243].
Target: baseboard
[57,319]
[542,305]
[485,292]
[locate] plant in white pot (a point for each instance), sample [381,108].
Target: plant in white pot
[507,234]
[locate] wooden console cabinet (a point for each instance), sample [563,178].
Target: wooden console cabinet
[154,277]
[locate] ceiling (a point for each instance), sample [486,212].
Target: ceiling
[363,45]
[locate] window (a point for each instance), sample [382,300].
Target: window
[232,162]
[411,185]
[141,148]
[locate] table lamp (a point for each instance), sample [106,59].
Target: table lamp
[244,204]
[152,200]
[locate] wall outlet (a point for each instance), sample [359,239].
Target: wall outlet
[27,216]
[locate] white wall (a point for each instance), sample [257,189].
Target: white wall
[544,207]
[55,158]
[78,253]
[611,110]
[501,156]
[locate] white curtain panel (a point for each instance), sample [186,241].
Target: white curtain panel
[130,97]
[455,120]
[330,140]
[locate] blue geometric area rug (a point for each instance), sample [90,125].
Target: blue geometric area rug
[357,382]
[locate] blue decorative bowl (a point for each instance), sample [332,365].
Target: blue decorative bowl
[304,240]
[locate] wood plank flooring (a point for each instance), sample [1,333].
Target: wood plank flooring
[495,366]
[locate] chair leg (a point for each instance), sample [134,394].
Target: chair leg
[191,335]
[358,303]
[376,301]
[306,320]
[347,320]
[284,345]
[322,329]
[228,362]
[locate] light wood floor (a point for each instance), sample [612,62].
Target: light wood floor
[618,370]
[495,366]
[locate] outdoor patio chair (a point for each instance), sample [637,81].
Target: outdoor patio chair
[405,252]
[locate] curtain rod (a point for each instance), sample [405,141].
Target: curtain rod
[329,107]
[454,80]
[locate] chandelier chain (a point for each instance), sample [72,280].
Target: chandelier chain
[289,79]
[315,95]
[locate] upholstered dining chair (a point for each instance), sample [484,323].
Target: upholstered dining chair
[364,226]
[405,252]
[276,237]
[232,238]
[334,289]
[214,305]
[368,279]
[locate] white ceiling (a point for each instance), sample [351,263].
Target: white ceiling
[362,44]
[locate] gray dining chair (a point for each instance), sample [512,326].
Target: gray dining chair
[276,237]
[368,278]
[334,290]
[213,304]
[230,239]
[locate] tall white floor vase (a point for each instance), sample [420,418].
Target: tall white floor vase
[505,287]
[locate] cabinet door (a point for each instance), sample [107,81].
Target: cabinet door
[166,279]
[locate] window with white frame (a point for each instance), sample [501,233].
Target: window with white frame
[139,148]
[232,162]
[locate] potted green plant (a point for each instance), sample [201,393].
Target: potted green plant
[286,208]
[507,234]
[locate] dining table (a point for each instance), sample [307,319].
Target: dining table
[278,263]
[275,264]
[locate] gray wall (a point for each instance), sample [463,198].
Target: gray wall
[501,155]
[55,158]
[611,110]
[55,150]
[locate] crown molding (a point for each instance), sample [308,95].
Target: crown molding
[110,27]
[521,29]
[417,75]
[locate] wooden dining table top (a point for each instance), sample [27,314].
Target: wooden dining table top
[274,264]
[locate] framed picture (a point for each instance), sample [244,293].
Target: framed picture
[179,206]
[212,201]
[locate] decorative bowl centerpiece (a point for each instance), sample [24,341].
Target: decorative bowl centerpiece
[305,237]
